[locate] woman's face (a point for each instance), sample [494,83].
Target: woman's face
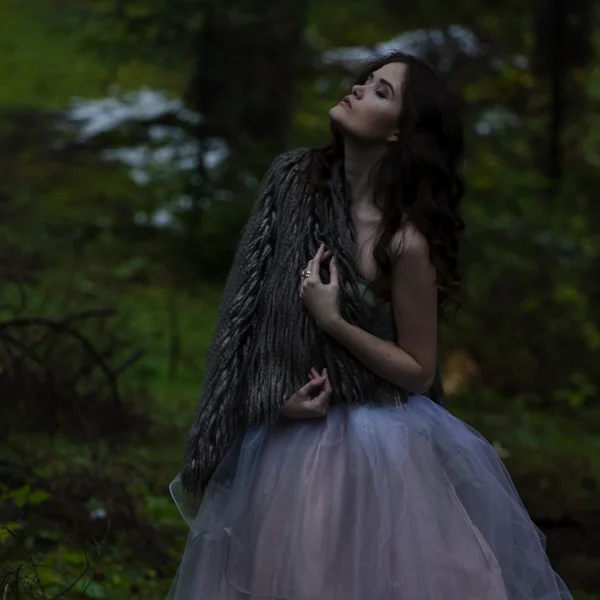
[370,113]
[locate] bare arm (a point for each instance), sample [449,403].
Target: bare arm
[411,363]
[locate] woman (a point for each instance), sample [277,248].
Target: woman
[359,485]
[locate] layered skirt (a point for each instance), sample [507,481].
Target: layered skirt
[370,503]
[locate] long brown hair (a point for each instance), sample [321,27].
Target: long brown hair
[418,178]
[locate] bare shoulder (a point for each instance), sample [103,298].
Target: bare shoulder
[409,246]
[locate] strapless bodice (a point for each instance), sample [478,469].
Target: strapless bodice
[383,325]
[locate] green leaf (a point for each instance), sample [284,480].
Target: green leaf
[5,530]
[90,589]
[37,497]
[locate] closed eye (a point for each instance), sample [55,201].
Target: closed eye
[384,82]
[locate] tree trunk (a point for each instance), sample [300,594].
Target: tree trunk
[563,32]
[248,59]
[247,65]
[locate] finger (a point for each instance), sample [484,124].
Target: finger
[315,272]
[320,403]
[314,374]
[312,386]
[323,396]
[327,254]
[319,255]
[313,268]
[333,272]
[327,386]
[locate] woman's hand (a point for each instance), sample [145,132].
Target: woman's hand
[310,401]
[320,298]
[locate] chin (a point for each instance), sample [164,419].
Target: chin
[339,123]
[339,117]
[335,113]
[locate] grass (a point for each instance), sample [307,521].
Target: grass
[110,497]
[136,546]
[108,502]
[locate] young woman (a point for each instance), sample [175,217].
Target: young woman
[327,467]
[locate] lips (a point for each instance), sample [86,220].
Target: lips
[346,101]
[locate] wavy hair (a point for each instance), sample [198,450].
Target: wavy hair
[418,179]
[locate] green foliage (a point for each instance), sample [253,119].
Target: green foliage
[93,511]
[48,60]
[23,496]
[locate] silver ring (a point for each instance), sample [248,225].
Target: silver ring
[306,273]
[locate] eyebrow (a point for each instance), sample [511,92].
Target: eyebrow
[385,82]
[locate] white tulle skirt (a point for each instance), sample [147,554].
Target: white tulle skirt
[370,503]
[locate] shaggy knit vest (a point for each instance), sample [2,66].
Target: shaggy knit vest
[265,341]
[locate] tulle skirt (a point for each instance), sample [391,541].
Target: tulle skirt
[370,503]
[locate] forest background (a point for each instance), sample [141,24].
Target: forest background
[133,135]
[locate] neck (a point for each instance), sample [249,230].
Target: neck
[359,162]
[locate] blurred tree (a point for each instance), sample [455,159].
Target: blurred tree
[139,203]
[563,49]
[248,59]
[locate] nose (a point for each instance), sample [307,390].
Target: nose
[357,91]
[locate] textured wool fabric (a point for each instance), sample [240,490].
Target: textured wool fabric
[265,341]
